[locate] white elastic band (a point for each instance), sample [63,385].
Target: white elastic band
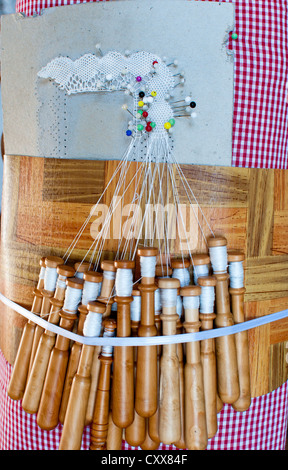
[147,266]
[124,282]
[107,351]
[145,341]
[200,270]
[183,275]
[236,272]
[219,258]
[50,279]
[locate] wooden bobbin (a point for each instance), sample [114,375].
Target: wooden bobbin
[20,370]
[226,356]
[123,367]
[199,259]
[180,444]
[196,437]
[50,262]
[74,357]
[163,270]
[169,394]
[241,339]
[208,359]
[81,268]
[135,433]
[48,412]
[78,400]
[180,263]
[100,422]
[33,391]
[146,377]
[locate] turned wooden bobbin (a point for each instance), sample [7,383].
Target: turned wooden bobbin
[100,422]
[51,263]
[169,393]
[135,433]
[180,270]
[32,395]
[227,368]
[163,270]
[78,399]
[196,437]
[48,412]
[90,293]
[123,367]
[201,266]
[20,370]
[208,355]
[241,339]
[81,268]
[146,377]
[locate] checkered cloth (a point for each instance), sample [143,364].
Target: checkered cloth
[262,427]
[260,125]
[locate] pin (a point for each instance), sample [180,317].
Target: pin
[98,48]
[125,107]
[175,63]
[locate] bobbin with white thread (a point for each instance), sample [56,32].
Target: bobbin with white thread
[35,382]
[50,286]
[20,370]
[81,267]
[135,433]
[48,412]
[227,368]
[196,436]
[180,269]
[201,266]
[146,378]
[169,393]
[91,290]
[75,416]
[237,292]
[100,422]
[108,283]
[123,367]
[208,354]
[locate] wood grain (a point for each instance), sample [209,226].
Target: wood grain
[46,201]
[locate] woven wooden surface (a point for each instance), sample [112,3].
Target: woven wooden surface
[46,201]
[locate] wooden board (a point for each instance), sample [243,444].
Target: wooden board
[45,202]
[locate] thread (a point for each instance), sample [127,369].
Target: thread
[124,282]
[179,306]
[236,272]
[109,275]
[92,325]
[50,279]
[157,301]
[207,299]
[42,272]
[106,350]
[191,302]
[61,282]
[183,275]
[219,258]
[72,299]
[200,270]
[168,297]
[91,291]
[147,266]
[135,308]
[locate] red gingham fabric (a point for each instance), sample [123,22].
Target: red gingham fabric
[260,124]
[262,427]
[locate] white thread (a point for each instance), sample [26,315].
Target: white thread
[42,272]
[50,279]
[219,258]
[109,275]
[179,306]
[135,308]
[183,275]
[157,301]
[148,266]
[79,275]
[92,325]
[207,299]
[200,270]
[114,307]
[124,282]
[191,302]
[107,351]
[61,282]
[168,297]
[72,299]
[91,291]
[236,272]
